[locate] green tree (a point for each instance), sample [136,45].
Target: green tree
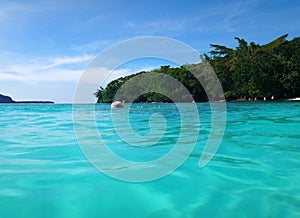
[249,71]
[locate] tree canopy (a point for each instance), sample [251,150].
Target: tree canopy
[249,71]
[256,71]
[155,86]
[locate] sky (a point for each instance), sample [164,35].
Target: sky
[45,45]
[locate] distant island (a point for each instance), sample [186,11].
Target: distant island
[248,72]
[7,99]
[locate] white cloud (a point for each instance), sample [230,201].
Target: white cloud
[69,60]
[102,75]
[59,69]
[55,75]
[92,79]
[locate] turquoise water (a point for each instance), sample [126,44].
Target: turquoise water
[255,173]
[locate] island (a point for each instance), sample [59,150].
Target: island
[249,72]
[8,99]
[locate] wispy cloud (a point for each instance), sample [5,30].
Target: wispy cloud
[155,26]
[94,46]
[69,60]
[213,18]
[169,24]
[11,10]
[60,69]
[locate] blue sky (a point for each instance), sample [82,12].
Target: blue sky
[46,45]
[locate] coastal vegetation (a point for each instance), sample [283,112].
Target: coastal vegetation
[248,72]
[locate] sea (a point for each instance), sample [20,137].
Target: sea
[46,169]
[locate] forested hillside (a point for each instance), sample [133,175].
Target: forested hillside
[250,71]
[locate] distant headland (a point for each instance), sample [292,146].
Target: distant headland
[7,99]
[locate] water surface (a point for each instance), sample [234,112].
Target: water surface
[255,173]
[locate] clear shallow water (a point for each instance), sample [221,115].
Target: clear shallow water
[255,173]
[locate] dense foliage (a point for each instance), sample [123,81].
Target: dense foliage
[250,71]
[154,86]
[254,71]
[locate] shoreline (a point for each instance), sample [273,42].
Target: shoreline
[294,99]
[5,99]
[269,100]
